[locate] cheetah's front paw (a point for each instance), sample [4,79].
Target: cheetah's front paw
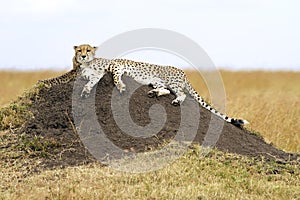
[121,88]
[175,102]
[85,93]
[152,93]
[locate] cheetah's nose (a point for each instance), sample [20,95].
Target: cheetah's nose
[83,56]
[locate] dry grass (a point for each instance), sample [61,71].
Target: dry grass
[218,176]
[13,84]
[269,100]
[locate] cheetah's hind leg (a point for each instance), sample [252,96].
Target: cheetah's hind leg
[179,93]
[179,99]
[159,89]
[158,92]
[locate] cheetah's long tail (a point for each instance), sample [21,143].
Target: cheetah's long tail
[198,98]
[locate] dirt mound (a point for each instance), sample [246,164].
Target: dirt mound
[54,117]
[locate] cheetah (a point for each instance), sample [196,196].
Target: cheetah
[163,79]
[80,52]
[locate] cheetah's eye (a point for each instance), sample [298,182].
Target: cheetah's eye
[79,50]
[88,50]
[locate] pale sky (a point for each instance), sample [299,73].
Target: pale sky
[236,34]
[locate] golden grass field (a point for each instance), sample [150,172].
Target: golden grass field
[270,101]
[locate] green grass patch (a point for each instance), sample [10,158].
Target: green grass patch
[17,112]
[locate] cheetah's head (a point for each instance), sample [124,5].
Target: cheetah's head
[84,53]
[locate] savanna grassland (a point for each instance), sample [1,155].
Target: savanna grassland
[270,101]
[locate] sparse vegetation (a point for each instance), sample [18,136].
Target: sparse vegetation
[16,113]
[269,100]
[13,115]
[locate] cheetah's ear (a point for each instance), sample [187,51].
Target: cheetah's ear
[75,47]
[95,48]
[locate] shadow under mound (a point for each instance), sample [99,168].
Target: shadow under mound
[54,120]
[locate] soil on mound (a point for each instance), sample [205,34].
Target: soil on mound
[60,114]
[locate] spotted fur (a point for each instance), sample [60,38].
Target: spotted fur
[82,53]
[163,79]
